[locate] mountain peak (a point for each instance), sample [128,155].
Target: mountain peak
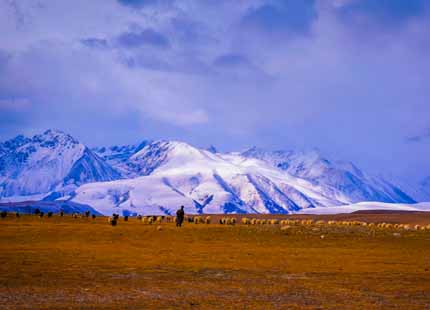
[212,149]
[54,137]
[14,143]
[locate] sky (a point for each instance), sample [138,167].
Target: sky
[348,77]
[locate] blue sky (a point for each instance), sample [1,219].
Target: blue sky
[349,77]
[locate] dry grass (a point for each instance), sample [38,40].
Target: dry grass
[66,263]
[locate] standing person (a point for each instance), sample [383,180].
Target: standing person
[180,214]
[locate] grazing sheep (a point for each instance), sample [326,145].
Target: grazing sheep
[320,222]
[246,221]
[230,221]
[41,214]
[417,227]
[49,214]
[198,220]
[139,217]
[263,222]
[222,220]
[190,219]
[428,227]
[407,227]
[75,216]
[274,222]
[306,222]
[253,221]
[150,220]
[159,219]
[207,220]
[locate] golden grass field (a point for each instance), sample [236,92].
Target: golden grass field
[66,263]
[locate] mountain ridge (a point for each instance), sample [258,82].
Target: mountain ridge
[157,176]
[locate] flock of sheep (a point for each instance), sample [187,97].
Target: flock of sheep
[285,224]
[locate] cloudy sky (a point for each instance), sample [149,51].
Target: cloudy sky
[349,77]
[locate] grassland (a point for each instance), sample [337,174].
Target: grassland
[67,263]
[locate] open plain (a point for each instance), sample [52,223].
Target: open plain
[84,263]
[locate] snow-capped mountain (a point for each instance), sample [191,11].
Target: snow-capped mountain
[175,173]
[48,162]
[157,177]
[337,179]
[118,156]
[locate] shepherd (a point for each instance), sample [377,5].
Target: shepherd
[180,214]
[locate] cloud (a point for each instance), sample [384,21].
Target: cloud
[279,74]
[290,16]
[388,13]
[142,3]
[141,38]
[95,43]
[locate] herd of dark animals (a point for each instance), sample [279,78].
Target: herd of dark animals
[180,216]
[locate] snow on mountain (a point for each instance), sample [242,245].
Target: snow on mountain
[366,206]
[48,162]
[175,173]
[157,177]
[119,157]
[339,180]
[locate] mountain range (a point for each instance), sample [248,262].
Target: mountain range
[155,177]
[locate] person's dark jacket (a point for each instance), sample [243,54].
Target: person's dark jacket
[180,214]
